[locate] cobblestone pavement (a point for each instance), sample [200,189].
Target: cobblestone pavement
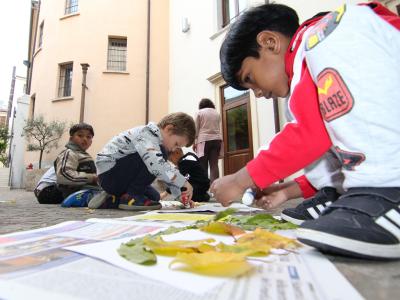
[19,210]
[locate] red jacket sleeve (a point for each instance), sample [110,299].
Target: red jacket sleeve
[299,143]
[306,188]
[384,13]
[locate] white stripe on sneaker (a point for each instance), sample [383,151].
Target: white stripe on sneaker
[320,208]
[384,223]
[328,203]
[354,246]
[312,212]
[394,216]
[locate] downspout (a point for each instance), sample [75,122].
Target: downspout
[11,96]
[276,119]
[30,63]
[276,115]
[148,62]
[83,93]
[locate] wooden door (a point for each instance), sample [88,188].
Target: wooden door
[237,131]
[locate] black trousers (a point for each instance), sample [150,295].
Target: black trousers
[129,175]
[211,153]
[49,195]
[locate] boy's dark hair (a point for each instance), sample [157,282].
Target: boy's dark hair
[81,126]
[206,103]
[183,125]
[240,41]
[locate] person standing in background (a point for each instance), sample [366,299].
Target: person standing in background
[208,142]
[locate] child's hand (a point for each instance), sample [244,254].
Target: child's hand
[187,195]
[95,179]
[163,195]
[267,199]
[230,188]
[276,194]
[226,190]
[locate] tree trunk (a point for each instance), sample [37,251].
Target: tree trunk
[40,159]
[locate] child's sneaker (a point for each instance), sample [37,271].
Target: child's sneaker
[103,201]
[364,222]
[137,203]
[312,208]
[78,199]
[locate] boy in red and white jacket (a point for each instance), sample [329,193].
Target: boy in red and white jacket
[340,73]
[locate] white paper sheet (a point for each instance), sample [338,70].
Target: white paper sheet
[194,283]
[305,275]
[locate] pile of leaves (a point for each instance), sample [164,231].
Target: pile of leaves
[206,256]
[252,222]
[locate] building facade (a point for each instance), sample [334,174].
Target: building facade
[145,58]
[101,62]
[195,72]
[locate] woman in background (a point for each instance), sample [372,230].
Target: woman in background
[208,140]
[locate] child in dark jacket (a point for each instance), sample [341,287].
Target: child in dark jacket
[190,167]
[74,167]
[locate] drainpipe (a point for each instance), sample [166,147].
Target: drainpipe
[11,96]
[148,61]
[276,115]
[276,118]
[85,67]
[29,64]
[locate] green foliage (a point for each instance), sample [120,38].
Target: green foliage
[4,137]
[137,253]
[43,136]
[223,214]
[265,221]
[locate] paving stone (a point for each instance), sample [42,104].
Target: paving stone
[19,210]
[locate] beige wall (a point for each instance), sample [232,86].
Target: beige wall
[391,4]
[194,59]
[114,101]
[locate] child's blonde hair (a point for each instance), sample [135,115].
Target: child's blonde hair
[183,125]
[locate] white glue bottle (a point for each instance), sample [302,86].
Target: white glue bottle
[248,197]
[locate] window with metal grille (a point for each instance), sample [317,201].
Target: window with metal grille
[231,9]
[41,34]
[65,80]
[71,6]
[116,58]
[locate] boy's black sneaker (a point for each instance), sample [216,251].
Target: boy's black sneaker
[311,209]
[364,223]
[103,201]
[137,203]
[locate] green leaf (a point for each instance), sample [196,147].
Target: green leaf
[225,213]
[265,221]
[137,253]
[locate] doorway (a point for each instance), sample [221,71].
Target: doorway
[237,131]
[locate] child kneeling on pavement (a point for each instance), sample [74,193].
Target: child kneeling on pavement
[344,130]
[189,166]
[74,167]
[130,162]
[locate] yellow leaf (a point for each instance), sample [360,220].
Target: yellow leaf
[269,238]
[223,228]
[212,263]
[161,247]
[206,248]
[254,248]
